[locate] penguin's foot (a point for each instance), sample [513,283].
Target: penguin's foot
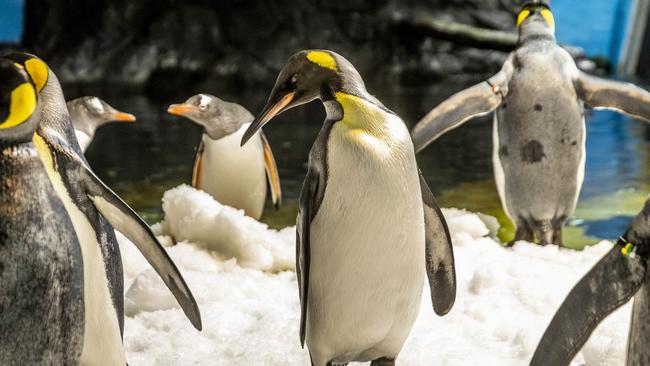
[383,362]
[523,233]
[557,237]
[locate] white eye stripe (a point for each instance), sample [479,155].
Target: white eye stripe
[204,101]
[97,105]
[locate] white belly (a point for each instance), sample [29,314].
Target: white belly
[499,175]
[367,249]
[234,175]
[84,139]
[102,340]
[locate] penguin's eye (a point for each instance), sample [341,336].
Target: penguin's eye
[294,79]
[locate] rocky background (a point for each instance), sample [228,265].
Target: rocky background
[162,44]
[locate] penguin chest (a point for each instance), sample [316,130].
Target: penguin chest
[235,175]
[102,343]
[539,141]
[367,245]
[83,138]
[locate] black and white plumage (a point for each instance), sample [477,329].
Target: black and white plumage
[368,227]
[539,127]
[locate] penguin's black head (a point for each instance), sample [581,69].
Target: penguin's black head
[308,75]
[91,112]
[535,14]
[37,69]
[218,117]
[19,107]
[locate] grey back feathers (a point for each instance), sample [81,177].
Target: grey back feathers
[218,117]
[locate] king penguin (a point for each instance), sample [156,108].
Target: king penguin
[91,206]
[539,125]
[620,275]
[41,269]
[368,227]
[233,175]
[90,113]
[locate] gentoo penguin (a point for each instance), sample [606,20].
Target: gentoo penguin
[539,128]
[41,270]
[91,206]
[619,276]
[89,113]
[234,175]
[368,226]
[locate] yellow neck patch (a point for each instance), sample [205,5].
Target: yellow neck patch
[523,15]
[367,126]
[322,59]
[37,70]
[23,104]
[544,12]
[44,152]
[548,16]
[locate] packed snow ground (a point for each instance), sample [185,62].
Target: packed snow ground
[241,274]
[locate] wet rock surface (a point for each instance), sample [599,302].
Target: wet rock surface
[167,44]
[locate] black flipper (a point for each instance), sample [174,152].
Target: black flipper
[475,101]
[609,285]
[305,215]
[126,221]
[609,94]
[439,254]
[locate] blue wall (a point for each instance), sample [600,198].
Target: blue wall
[11,20]
[598,26]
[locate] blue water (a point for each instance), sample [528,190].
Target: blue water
[598,26]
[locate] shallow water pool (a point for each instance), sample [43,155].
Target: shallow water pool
[140,161]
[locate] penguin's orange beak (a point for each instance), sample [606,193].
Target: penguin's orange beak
[123,117]
[181,109]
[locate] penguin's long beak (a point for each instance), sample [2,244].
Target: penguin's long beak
[271,110]
[123,117]
[181,109]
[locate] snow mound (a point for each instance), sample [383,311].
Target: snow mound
[194,216]
[506,297]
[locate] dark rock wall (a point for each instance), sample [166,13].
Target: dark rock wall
[159,42]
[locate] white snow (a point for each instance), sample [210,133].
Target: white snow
[241,274]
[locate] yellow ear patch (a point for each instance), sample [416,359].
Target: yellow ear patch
[322,59]
[37,70]
[548,16]
[523,15]
[23,104]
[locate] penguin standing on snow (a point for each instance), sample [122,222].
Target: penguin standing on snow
[619,276]
[90,113]
[41,270]
[233,175]
[91,206]
[368,227]
[539,127]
